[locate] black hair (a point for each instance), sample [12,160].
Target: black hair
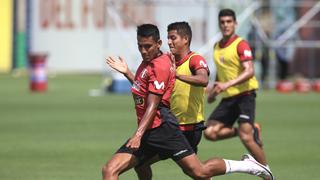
[149,30]
[227,12]
[182,28]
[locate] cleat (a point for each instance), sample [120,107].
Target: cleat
[259,170]
[257,134]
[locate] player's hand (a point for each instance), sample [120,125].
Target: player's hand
[173,61]
[211,98]
[220,87]
[212,94]
[134,142]
[118,64]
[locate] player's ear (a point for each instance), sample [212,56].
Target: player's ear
[186,38]
[159,43]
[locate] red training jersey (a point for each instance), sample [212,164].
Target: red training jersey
[157,77]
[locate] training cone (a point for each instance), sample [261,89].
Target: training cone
[316,86]
[303,86]
[38,72]
[285,86]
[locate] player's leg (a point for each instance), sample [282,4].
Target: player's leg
[220,122]
[246,127]
[143,170]
[192,166]
[194,135]
[126,158]
[216,130]
[172,143]
[119,163]
[247,138]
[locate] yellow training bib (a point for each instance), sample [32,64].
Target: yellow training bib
[229,67]
[187,101]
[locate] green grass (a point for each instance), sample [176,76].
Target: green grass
[65,134]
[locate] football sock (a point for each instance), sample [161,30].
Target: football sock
[237,166]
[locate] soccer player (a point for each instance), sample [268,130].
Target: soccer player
[158,132]
[187,98]
[237,85]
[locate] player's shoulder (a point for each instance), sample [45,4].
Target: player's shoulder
[243,45]
[196,56]
[243,42]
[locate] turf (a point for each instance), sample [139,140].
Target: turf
[66,134]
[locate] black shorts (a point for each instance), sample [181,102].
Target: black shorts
[241,108]
[194,136]
[166,141]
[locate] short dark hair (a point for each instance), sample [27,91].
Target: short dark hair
[227,12]
[183,29]
[149,30]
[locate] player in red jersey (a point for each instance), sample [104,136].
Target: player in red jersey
[158,133]
[187,97]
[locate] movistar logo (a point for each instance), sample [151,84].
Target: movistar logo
[159,85]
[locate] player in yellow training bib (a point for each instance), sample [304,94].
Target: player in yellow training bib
[237,85]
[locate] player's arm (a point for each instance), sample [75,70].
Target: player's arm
[199,79]
[211,91]
[200,72]
[147,119]
[121,66]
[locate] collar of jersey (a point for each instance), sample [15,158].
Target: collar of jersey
[226,44]
[184,58]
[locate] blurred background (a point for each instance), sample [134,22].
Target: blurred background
[63,112]
[77,35]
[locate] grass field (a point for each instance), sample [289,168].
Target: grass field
[64,134]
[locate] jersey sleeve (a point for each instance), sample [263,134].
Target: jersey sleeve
[158,78]
[198,62]
[244,51]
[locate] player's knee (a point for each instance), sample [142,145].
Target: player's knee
[109,170]
[245,137]
[106,170]
[198,175]
[211,135]
[195,173]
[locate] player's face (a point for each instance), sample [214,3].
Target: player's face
[176,43]
[227,25]
[148,47]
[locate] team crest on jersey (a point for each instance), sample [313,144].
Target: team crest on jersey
[136,85]
[143,73]
[158,85]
